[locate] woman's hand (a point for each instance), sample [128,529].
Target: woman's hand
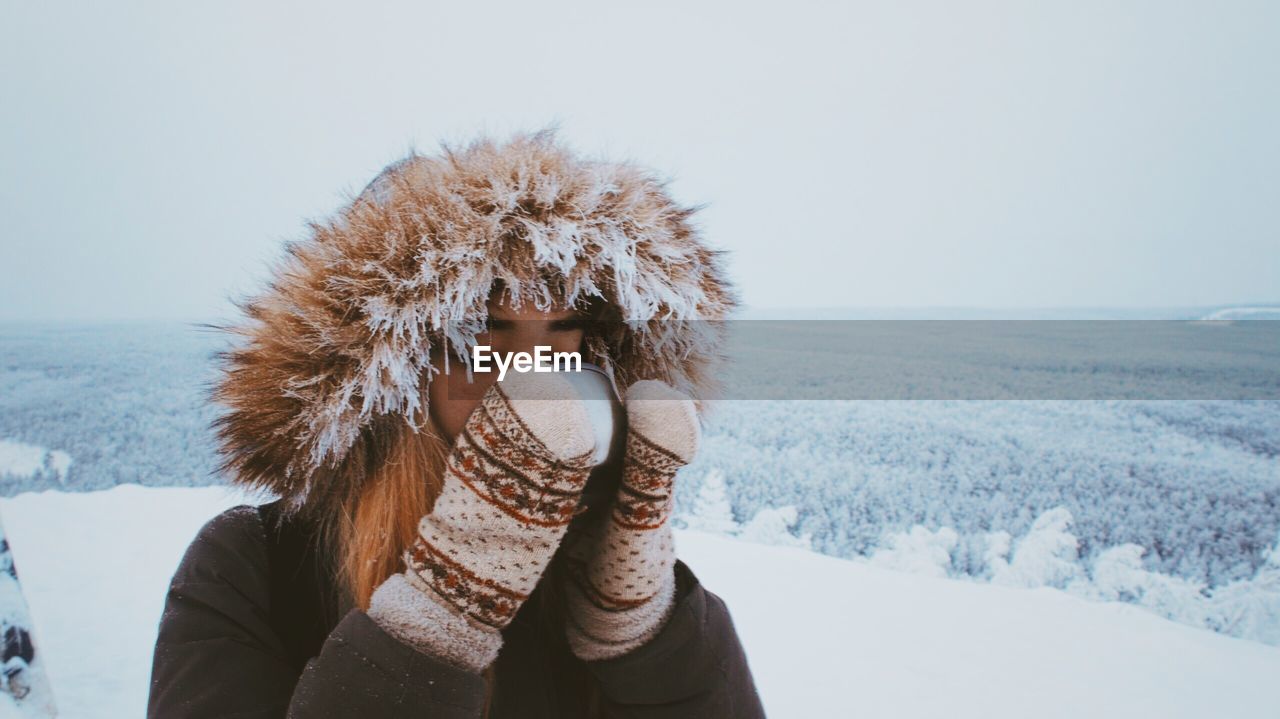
[513,480]
[622,579]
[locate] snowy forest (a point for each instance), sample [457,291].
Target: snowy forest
[1170,505]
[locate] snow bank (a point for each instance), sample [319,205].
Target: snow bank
[94,568]
[825,636]
[1264,312]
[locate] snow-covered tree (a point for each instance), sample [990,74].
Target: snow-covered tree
[1047,555]
[997,551]
[919,551]
[773,526]
[1251,608]
[711,509]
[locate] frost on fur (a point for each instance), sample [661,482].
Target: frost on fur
[340,344]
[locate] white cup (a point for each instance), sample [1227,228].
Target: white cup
[608,419]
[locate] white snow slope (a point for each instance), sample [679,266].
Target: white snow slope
[825,637]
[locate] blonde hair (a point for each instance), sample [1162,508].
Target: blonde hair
[365,541]
[382,519]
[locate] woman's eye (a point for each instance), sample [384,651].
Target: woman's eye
[567,325]
[493,324]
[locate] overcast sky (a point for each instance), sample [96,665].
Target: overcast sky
[153,158]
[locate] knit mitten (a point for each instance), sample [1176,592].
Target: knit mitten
[622,579]
[513,480]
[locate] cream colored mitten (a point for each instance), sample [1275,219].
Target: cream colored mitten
[513,480]
[622,586]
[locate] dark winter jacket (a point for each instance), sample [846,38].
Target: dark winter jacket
[251,628]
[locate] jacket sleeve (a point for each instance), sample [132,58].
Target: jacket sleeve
[694,667]
[217,655]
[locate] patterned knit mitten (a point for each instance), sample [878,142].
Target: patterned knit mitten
[623,580]
[514,477]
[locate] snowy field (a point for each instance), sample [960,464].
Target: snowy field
[825,636]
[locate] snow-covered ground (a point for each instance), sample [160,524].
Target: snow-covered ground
[825,636]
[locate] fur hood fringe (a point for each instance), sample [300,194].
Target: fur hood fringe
[333,360]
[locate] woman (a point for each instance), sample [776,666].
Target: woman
[426,556]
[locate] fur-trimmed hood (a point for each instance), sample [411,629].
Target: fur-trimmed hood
[335,358]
